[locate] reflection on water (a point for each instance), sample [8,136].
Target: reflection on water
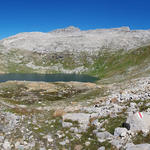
[47,77]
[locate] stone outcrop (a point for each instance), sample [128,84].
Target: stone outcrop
[74,40]
[138,147]
[140,121]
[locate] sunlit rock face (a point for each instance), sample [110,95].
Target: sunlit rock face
[74,40]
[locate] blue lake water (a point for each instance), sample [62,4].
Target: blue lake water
[47,77]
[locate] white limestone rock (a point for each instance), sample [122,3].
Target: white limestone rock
[117,143]
[74,40]
[82,118]
[102,136]
[139,121]
[101,148]
[122,132]
[138,147]
[66,124]
[6,145]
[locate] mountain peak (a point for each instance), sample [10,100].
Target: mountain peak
[124,28]
[69,29]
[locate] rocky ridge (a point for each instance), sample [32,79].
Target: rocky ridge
[72,50]
[74,40]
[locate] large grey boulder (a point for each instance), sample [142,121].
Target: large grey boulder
[122,132]
[101,148]
[81,118]
[66,124]
[118,143]
[102,136]
[138,147]
[139,121]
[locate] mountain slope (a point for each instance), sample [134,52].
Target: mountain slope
[122,65]
[104,53]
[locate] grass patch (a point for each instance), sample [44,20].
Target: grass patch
[91,94]
[75,123]
[140,139]
[12,90]
[15,93]
[114,123]
[109,64]
[23,111]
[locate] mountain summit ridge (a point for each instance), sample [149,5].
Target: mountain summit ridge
[75,40]
[68,29]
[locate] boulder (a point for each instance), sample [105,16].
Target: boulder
[81,118]
[122,132]
[66,124]
[138,147]
[78,147]
[101,148]
[6,145]
[103,136]
[139,121]
[126,125]
[118,143]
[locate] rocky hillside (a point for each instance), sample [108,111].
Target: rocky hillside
[71,50]
[75,116]
[73,40]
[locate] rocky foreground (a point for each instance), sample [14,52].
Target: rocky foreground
[75,115]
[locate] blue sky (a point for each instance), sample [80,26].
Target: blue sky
[46,15]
